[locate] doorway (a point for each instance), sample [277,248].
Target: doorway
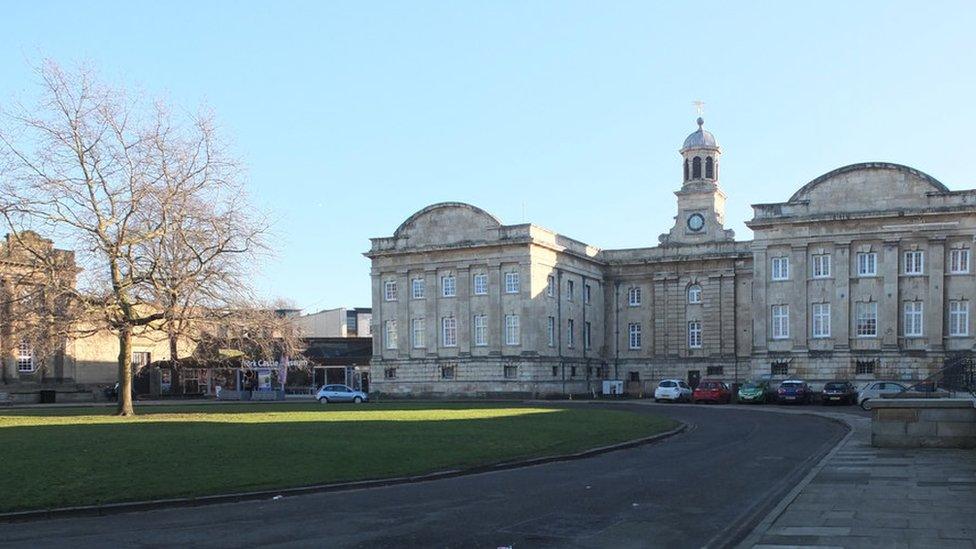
[694,376]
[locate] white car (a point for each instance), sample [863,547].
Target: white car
[340,393]
[674,390]
[874,390]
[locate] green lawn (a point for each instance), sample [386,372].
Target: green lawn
[79,456]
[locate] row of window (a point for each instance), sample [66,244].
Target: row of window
[510,371]
[867,264]
[449,371]
[866,319]
[570,289]
[635,335]
[634,296]
[861,367]
[570,333]
[479,286]
[479,332]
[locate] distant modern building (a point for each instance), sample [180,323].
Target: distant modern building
[339,322]
[338,346]
[865,272]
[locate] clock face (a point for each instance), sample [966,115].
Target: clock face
[696,222]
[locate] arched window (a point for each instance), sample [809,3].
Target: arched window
[634,296]
[709,168]
[686,169]
[696,168]
[694,294]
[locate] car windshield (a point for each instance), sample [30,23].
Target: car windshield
[708,385]
[751,385]
[835,386]
[792,383]
[667,384]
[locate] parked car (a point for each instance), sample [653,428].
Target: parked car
[929,389]
[712,391]
[674,390]
[756,391]
[794,390]
[339,393]
[840,392]
[876,389]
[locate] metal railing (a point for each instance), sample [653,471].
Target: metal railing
[957,377]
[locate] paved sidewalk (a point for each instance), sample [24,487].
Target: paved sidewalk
[860,496]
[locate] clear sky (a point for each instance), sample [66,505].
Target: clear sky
[352,116]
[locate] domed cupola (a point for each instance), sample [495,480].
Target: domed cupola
[701,202]
[701,152]
[701,139]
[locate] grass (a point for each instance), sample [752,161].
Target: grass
[81,456]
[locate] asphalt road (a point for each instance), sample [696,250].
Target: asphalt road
[702,487]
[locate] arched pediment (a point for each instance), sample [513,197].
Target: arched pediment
[447,223]
[868,186]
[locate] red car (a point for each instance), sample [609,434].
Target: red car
[712,391]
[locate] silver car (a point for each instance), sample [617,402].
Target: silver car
[875,389]
[339,393]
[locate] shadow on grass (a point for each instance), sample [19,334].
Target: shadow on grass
[258,407]
[62,465]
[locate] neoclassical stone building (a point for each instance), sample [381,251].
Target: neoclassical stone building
[865,272]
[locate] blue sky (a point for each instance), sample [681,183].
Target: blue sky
[352,116]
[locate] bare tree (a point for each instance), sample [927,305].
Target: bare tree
[151,202]
[254,331]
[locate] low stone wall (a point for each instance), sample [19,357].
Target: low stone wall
[923,423]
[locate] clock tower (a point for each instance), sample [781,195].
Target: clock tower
[701,203]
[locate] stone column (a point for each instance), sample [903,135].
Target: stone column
[799,327]
[840,309]
[935,307]
[496,315]
[659,314]
[888,300]
[432,321]
[465,322]
[377,317]
[727,315]
[760,314]
[403,314]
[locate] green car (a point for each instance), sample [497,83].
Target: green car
[754,392]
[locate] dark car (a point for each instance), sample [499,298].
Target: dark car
[712,391]
[794,390]
[838,392]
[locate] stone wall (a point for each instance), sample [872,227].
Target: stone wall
[923,423]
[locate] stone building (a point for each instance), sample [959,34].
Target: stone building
[863,273]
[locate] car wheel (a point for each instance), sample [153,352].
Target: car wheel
[866,404]
[323,400]
[357,400]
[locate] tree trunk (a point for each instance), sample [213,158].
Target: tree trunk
[125,373]
[174,352]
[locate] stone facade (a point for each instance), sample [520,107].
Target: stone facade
[864,273]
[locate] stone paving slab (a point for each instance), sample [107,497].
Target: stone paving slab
[865,497]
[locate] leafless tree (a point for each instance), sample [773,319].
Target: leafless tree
[152,203]
[253,331]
